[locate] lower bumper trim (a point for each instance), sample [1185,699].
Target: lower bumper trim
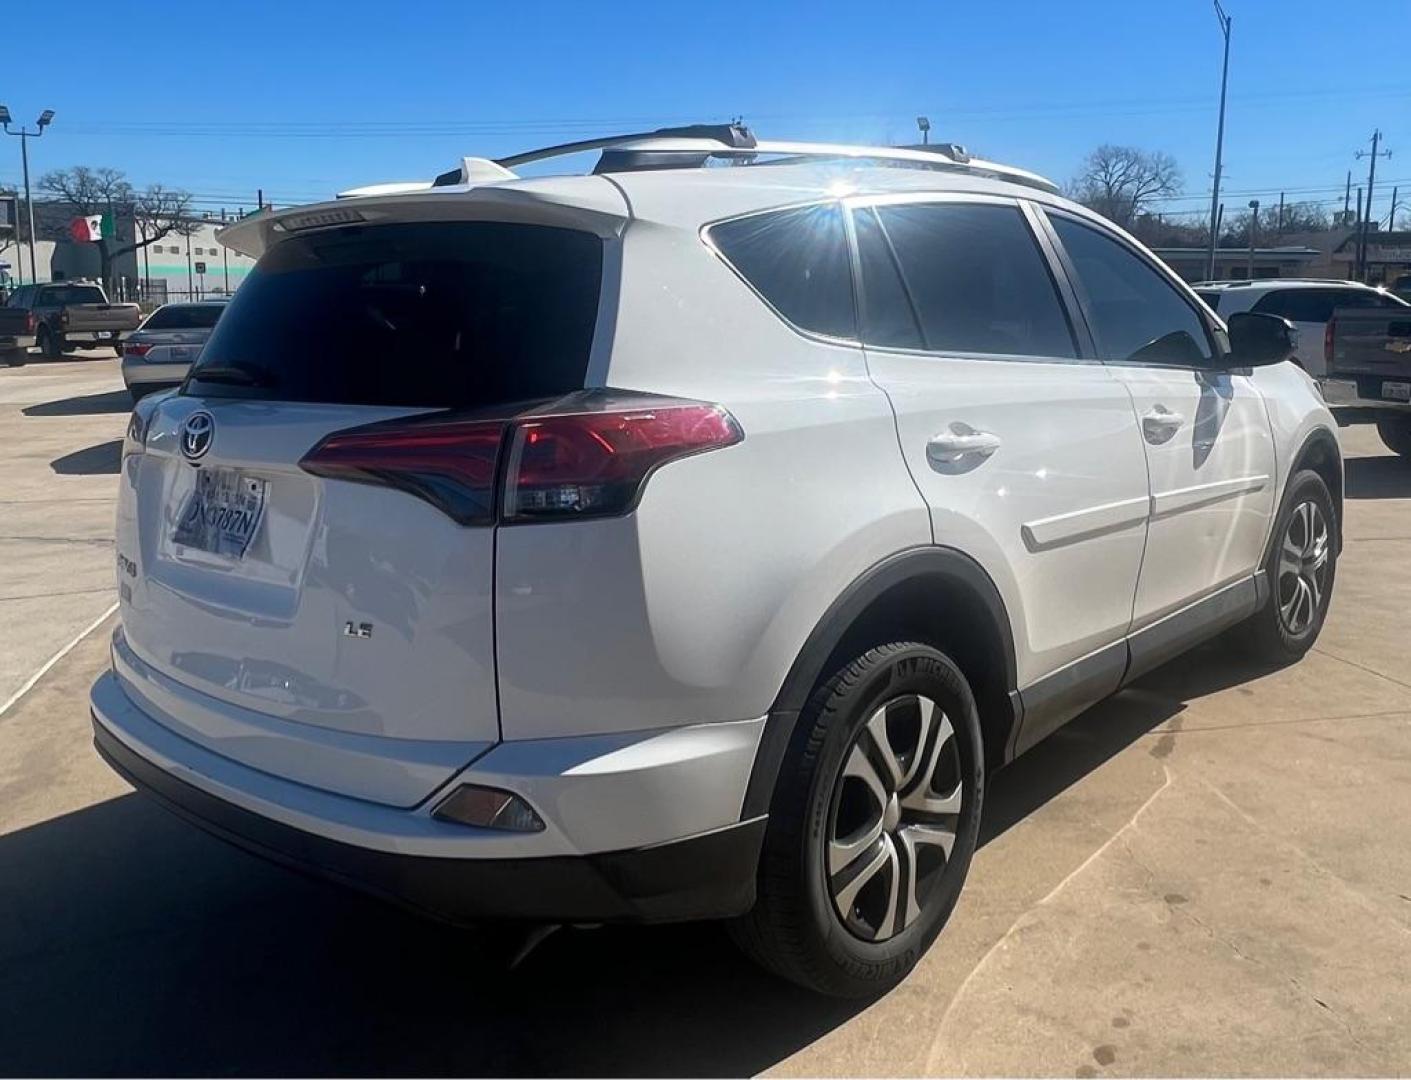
[708,876]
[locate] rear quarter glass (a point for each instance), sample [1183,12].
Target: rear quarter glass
[424,314]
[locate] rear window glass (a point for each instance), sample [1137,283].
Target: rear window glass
[72,294]
[184,317]
[798,261]
[440,314]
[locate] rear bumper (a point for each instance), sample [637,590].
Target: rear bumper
[139,373]
[10,342]
[707,874]
[1360,392]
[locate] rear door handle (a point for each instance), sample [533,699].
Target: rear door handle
[959,442]
[1160,423]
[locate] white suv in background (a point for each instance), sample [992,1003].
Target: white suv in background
[685,542]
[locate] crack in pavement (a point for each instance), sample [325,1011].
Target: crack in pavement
[933,1053]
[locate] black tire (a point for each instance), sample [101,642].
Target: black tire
[795,928]
[50,344]
[1396,433]
[1270,634]
[15,357]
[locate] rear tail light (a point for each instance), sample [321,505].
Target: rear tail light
[127,348]
[31,324]
[450,464]
[1328,342]
[593,462]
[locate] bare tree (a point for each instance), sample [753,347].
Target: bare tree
[156,211]
[1120,182]
[1299,217]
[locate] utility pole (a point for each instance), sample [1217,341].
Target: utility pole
[260,197]
[1357,247]
[1253,235]
[1280,230]
[1225,22]
[190,281]
[1391,219]
[1347,198]
[1372,156]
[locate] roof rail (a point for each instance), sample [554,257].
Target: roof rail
[692,146]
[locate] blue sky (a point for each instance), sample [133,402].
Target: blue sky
[303,98]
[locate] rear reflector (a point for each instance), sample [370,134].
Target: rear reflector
[488,808]
[1328,342]
[592,462]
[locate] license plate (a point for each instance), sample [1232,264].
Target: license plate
[181,352]
[1396,391]
[222,513]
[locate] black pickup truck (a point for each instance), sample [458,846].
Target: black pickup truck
[66,314]
[1368,351]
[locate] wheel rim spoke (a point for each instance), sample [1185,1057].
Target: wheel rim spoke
[881,859]
[922,796]
[912,839]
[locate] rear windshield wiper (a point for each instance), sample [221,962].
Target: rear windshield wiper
[235,374]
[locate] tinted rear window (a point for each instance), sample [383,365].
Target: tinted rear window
[71,294]
[798,261]
[441,314]
[184,317]
[1211,298]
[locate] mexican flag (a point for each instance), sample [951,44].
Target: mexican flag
[88,230]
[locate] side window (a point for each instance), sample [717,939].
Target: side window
[1136,313]
[978,280]
[1303,305]
[887,317]
[798,261]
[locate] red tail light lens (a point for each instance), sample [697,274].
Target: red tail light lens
[128,348]
[592,464]
[30,323]
[449,464]
[1328,343]
[570,465]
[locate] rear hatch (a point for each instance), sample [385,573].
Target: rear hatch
[323,629]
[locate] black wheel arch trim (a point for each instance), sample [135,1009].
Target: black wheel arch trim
[912,564]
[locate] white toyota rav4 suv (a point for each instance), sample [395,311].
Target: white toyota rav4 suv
[687,542]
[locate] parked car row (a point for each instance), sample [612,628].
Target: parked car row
[1353,338]
[156,351]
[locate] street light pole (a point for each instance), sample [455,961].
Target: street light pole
[1253,236]
[1225,22]
[45,118]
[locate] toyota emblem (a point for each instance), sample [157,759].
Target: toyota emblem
[196,435]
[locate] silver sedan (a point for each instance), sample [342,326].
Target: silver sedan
[159,352]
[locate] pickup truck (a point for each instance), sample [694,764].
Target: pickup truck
[67,314]
[16,335]
[1368,352]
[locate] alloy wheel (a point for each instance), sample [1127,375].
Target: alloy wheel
[1303,567]
[894,816]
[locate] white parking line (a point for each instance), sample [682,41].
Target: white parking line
[29,683]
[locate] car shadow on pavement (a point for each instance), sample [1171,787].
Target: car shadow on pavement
[1386,477]
[111,401]
[104,459]
[132,943]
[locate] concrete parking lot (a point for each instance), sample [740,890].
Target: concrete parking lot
[1209,873]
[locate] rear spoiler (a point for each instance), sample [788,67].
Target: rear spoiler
[602,212]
